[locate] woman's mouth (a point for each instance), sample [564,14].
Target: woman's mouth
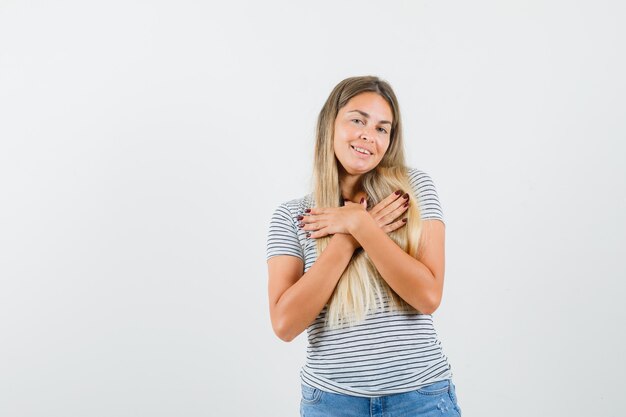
[361,151]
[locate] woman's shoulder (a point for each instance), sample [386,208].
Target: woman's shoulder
[417,174]
[424,189]
[296,206]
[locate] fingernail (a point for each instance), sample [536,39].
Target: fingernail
[398,192]
[299,217]
[301,224]
[308,235]
[307,210]
[404,220]
[406,195]
[362,200]
[406,204]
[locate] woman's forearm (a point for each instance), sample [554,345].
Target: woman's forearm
[411,279]
[299,305]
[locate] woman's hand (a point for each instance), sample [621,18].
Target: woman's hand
[327,221]
[388,210]
[322,222]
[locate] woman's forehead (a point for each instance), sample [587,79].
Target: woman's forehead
[369,104]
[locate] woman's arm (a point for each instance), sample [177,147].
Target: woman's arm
[297,299]
[418,281]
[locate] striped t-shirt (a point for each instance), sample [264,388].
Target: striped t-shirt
[387,353]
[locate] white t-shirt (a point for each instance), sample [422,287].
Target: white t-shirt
[389,352]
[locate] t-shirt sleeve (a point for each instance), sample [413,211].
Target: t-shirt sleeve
[426,193]
[282,238]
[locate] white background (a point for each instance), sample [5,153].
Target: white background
[145,144]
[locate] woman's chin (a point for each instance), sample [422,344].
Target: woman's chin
[360,170]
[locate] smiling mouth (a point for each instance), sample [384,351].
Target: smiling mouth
[361,150]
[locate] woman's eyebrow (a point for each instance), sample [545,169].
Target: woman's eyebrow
[367,116]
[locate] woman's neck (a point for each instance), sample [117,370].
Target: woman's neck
[350,186]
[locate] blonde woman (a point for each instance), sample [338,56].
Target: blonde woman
[359,264]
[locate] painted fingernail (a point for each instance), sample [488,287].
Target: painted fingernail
[307,210]
[362,200]
[404,220]
[308,235]
[398,192]
[406,195]
[299,217]
[301,224]
[406,204]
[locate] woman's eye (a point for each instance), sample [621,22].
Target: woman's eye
[382,129]
[357,120]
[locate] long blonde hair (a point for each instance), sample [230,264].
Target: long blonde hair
[361,288]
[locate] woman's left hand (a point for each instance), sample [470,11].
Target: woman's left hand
[326,221]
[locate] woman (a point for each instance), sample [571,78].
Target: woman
[359,263]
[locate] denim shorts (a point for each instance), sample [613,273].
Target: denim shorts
[435,400]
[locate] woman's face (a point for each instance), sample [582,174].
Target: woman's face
[362,132]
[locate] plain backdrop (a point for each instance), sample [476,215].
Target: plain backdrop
[145,144]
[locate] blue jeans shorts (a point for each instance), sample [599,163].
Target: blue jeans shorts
[435,400]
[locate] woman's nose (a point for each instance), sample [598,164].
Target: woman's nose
[367,133]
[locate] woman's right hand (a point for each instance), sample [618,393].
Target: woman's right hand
[389,209]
